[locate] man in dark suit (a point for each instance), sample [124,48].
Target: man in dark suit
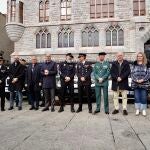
[33,83]
[49,71]
[3,76]
[84,70]
[16,82]
[67,72]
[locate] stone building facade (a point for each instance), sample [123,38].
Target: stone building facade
[60,26]
[6,45]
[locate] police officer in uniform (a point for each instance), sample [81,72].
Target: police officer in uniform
[67,72]
[84,70]
[101,73]
[3,76]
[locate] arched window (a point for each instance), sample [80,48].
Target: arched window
[20,12]
[65,10]
[90,37]
[139,8]
[66,38]
[7,14]
[41,11]
[13,11]
[102,8]
[114,36]
[44,11]
[47,11]
[43,39]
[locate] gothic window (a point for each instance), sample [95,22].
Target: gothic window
[139,8]
[65,10]
[102,9]
[90,37]
[44,11]
[66,38]
[43,39]
[13,10]
[114,36]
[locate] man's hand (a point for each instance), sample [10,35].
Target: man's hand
[40,84]
[46,72]
[140,81]
[100,80]
[67,79]
[14,80]
[119,79]
[26,85]
[82,79]
[0,81]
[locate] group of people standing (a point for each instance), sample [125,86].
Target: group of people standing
[36,77]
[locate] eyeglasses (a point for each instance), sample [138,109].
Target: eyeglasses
[139,56]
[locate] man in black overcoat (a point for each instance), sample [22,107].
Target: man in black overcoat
[33,82]
[120,72]
[16,82]
[3,76]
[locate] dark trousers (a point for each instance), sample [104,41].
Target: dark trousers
[2,97]
[63,91]
[87,90]
[49,95]
[98,94]
[34,96]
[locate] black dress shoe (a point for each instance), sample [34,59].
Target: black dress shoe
[107,113]
[10,108]
[52,110]
[2,109]
[96,111]
[61,109]
[72,110]
[115,112]
[45,109]
[78,110]
[42,105]
[125,113]
[36,108]
[19,108]
[31,108]
[90,111]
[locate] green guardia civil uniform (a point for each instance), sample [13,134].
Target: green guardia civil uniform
[102,70]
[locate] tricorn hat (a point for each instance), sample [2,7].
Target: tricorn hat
[70,55]
[102,53]
[1,58]
[82,55]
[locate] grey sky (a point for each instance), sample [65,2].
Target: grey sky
[3,6]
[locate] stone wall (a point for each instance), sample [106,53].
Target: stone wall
[80,18]
[5,44]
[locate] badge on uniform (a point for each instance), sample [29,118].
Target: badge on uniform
[3,71]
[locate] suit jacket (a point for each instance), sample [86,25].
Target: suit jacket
[3,76]
[17,71]
[67,69]
[101,70]
[123,72]
[33,77]
[84,70]
[49,81]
